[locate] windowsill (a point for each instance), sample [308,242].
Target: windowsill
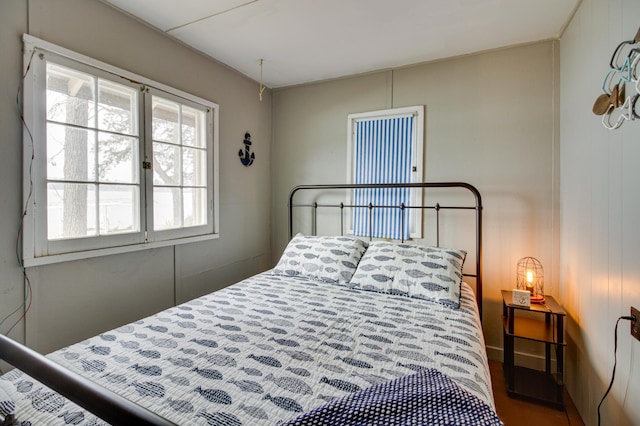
[66,257]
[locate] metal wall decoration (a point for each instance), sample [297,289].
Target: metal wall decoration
[621,86]
[246,157]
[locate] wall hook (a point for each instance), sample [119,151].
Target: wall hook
[262,86]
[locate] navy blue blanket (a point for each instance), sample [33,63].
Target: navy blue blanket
[425,398]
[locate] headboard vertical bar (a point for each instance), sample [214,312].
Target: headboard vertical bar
[402,221]
[290,221]
[314,219]
[341,219]
[438,224]
[478,251]
[370,221]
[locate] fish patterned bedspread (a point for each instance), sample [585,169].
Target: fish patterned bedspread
[263,351]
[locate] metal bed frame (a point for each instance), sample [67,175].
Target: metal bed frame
[105,404]
[115,409]
[437,207]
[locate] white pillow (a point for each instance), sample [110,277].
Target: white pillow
[323,258]
[430,273]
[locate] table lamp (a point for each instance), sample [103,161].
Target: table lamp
[531,278]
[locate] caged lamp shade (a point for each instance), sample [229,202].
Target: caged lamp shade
[531,278]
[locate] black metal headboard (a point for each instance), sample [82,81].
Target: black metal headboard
[437,207]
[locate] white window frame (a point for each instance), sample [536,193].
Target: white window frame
[36,248]
[417,112]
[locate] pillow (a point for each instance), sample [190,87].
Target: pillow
[7,406]
[325,258]
[430,273]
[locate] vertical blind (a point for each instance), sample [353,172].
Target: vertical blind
[383,153]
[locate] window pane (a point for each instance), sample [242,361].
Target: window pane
[165,120]
[119,211]
[118,158]
[70,97]
[195,206]
[117,108]
[166,159]
[71,210]
[194,167]
[193,127]
[166,208]
[70,153]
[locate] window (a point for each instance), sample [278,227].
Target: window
[179,151]
[113,162]
[386,147]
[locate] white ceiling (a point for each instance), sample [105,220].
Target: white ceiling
[309,40]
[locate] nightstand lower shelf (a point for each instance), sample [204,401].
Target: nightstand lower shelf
[534,386]
[543,324]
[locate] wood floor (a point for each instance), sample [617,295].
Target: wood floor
[514,412]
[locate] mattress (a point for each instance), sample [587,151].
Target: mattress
[264,351]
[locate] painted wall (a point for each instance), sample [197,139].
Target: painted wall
[13,21]
[600,232]
[514,122]
[491,120]
[74,300]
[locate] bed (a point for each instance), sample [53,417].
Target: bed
[343,330]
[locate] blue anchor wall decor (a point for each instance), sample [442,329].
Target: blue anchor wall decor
[246,157]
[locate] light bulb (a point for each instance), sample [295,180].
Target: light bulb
[529,276]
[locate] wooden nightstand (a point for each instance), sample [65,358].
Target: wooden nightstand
[542,323]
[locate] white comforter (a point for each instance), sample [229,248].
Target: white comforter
[263,351]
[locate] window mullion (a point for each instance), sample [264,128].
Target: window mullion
[96,153]
[35,236]
[179,167]
[146,175]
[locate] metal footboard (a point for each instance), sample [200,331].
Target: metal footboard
[105,404]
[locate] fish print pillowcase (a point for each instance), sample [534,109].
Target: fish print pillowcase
[7,406]
[324,258]
[430,273]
